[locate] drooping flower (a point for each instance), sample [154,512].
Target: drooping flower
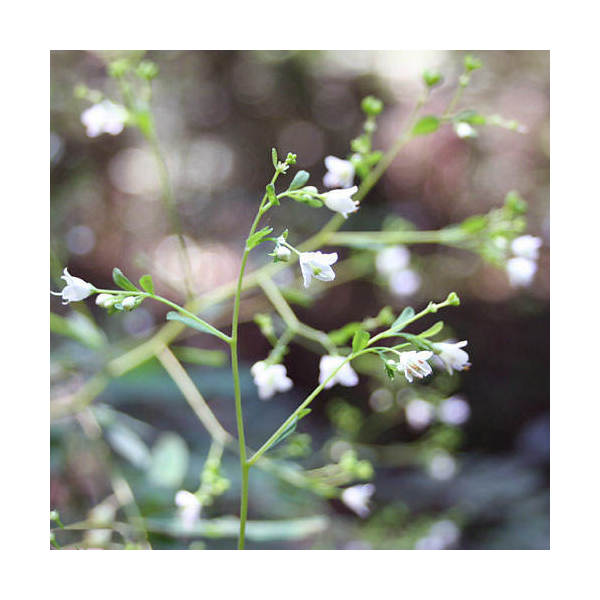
[345,376]
[282,253]
[414,364]
[104,117]
[452,356]
[75,290]
[520,271]
[189,508]
[527,246]
[464,130]
[454,411]
[392,259]
[317,265]
[340,173]
[357,498]
[270,379]
[419,413]
[341,201]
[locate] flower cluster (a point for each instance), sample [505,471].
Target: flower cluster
[522,267]
[104,117]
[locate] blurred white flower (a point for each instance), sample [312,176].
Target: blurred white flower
[464,130]
[527,246]
[392,259]
[442,466]
[105,300]
[75,290]
[454,411]
[270,379]
[357,498]
[414,364]
[341,201]
[452,356]
[189,508]
[405,282]
[105,117]
[340,173]
[442,534]
[317,265]
[419,413]
[520,271]
[345,376]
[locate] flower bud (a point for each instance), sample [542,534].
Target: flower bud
[453,299]
[282,253]
[129,303]
[105,300]
[432,77]
[371,106]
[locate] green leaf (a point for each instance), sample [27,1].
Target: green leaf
[407,314]
[274,157]
[147,283]
[271,195]
[360,340]
[257,237]
[308,199]
[122,281]
[169,463]
[204,327]
[433,330]
[470,116]
[299,180]
[426,125]
[416,341]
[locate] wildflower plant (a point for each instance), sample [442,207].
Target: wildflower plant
[405,351]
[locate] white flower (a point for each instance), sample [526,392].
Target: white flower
[129,303]
[464,130]
[454,411]
[452,356]
[527,246]
[270,379]
[105,300]
[405,282]
[520,271]
[345,376]
[75,290]
[392,259]
[189,508]
[282,253]
[341,201]
[340,173]
[419,413]
[414,364]
[105,117]
[357,498]
[442,466]
[317,265]
[441,535]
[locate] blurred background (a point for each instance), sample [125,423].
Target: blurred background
[472,473]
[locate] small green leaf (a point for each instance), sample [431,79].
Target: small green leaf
[472,63]
[257,237]
[433,330]
[388,370]
[360,340]
[122,281]
[470,116]
[274,157]
[147,283]
[426,125]
[299,180]
[204,327]
[271,195]
[407,314]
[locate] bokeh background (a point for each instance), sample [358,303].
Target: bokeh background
[218,114]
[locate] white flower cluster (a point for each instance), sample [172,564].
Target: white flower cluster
[340,174]
[104,117]
[393,264]
[522,267]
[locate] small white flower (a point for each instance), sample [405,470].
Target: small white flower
[454,411]
[419,413]
[357,498]
[270,379]
[442,466]
[129,303]
[464,130]
[345,376]
[105,300]
[189,508]
[392,259]
[527,246]
[340,173]
[317,265]
[520,271]
[282,253]
[341,201]
[414,364]
[405,282]
[75,290]
[442,534]
[452,356]
[105,117]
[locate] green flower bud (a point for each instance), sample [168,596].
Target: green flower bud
[147,70]
[118,68]
[432,77]
[371,106]
[472,63]
[453,299]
